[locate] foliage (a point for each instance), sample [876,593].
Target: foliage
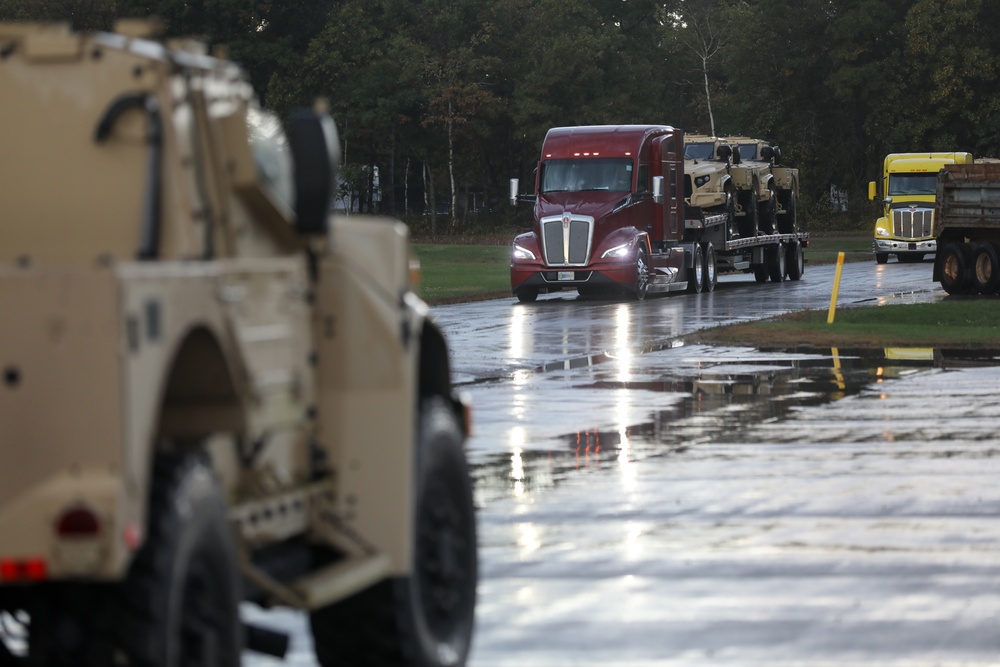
[451,98]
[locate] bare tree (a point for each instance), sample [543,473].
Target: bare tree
[706,28]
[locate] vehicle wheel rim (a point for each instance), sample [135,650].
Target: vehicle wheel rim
[641,275]
[950,268]
[984,269]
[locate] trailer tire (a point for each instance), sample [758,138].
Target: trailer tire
[641,273]
[711,267]
[424,619]
[986,267]
[882,257]
[795,260]
[775,260]
[696,274]
[526,294]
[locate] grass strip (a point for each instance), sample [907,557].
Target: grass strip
[958,323]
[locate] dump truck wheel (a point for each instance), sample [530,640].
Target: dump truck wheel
[425,619]
[956,274]
[795,260]
[711,267]
[986,268]
[882,257]
[526,295]
[696,274]
[641,273]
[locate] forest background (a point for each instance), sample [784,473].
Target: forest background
[440,102]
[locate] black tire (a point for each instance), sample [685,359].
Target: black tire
[641,273]
[775,256]
[425,619]
[795,260]
[956,268]
[526,294]
[747,224]
[882,257]
[696,273]
[768,217]
[787,222]
[986,267]
[179,603]
[760,273]
[730,210]
[711,271]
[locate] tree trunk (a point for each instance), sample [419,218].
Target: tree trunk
[429,183]
[708,95]
[451,164]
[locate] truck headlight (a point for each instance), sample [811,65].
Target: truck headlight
[881,231]
[617,251]
[520,252]
[701,180]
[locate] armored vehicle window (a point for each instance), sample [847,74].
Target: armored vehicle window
[747,151]
[582,174]
[912,184]
[703,150]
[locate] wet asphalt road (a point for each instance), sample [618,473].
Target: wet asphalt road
[641,502]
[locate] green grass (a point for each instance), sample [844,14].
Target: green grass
[824,249]
[460,272]
[961,323]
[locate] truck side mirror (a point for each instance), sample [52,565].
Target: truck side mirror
[871,190]
[513,191]
[316,154]
[724,152]
[658,189]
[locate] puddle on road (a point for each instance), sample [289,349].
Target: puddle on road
[721,398]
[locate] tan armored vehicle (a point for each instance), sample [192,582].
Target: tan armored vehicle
[211,391]
[781,180]
[753,204]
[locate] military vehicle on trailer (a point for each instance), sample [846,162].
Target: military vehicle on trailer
[210,390]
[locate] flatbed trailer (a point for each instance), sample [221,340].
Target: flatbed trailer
[613,213]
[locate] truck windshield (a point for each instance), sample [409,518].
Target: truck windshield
[702,150]
[912,184]
[581,174]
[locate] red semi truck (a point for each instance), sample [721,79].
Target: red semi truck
[612,213]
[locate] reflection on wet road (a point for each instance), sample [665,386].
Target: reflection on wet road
[647,503]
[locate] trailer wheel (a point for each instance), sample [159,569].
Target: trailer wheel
[956,276]
[775,260]
[526,294]
[795,260]
[641,273]
[711,267]
[986,263]
[760,273]
[696,274]
[424,619]
[882,257]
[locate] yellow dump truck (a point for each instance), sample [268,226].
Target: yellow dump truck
[211,391]
[909,181]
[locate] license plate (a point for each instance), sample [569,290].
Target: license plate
[566,275]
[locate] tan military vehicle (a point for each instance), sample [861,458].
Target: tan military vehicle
[781,180]
[211,391]
[753,203]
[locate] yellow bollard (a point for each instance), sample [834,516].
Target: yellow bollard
[836,288]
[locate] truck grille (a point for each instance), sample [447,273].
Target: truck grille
[567,244]
[912,223]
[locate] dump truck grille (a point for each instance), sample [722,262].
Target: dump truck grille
[566,239]
[912,223]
